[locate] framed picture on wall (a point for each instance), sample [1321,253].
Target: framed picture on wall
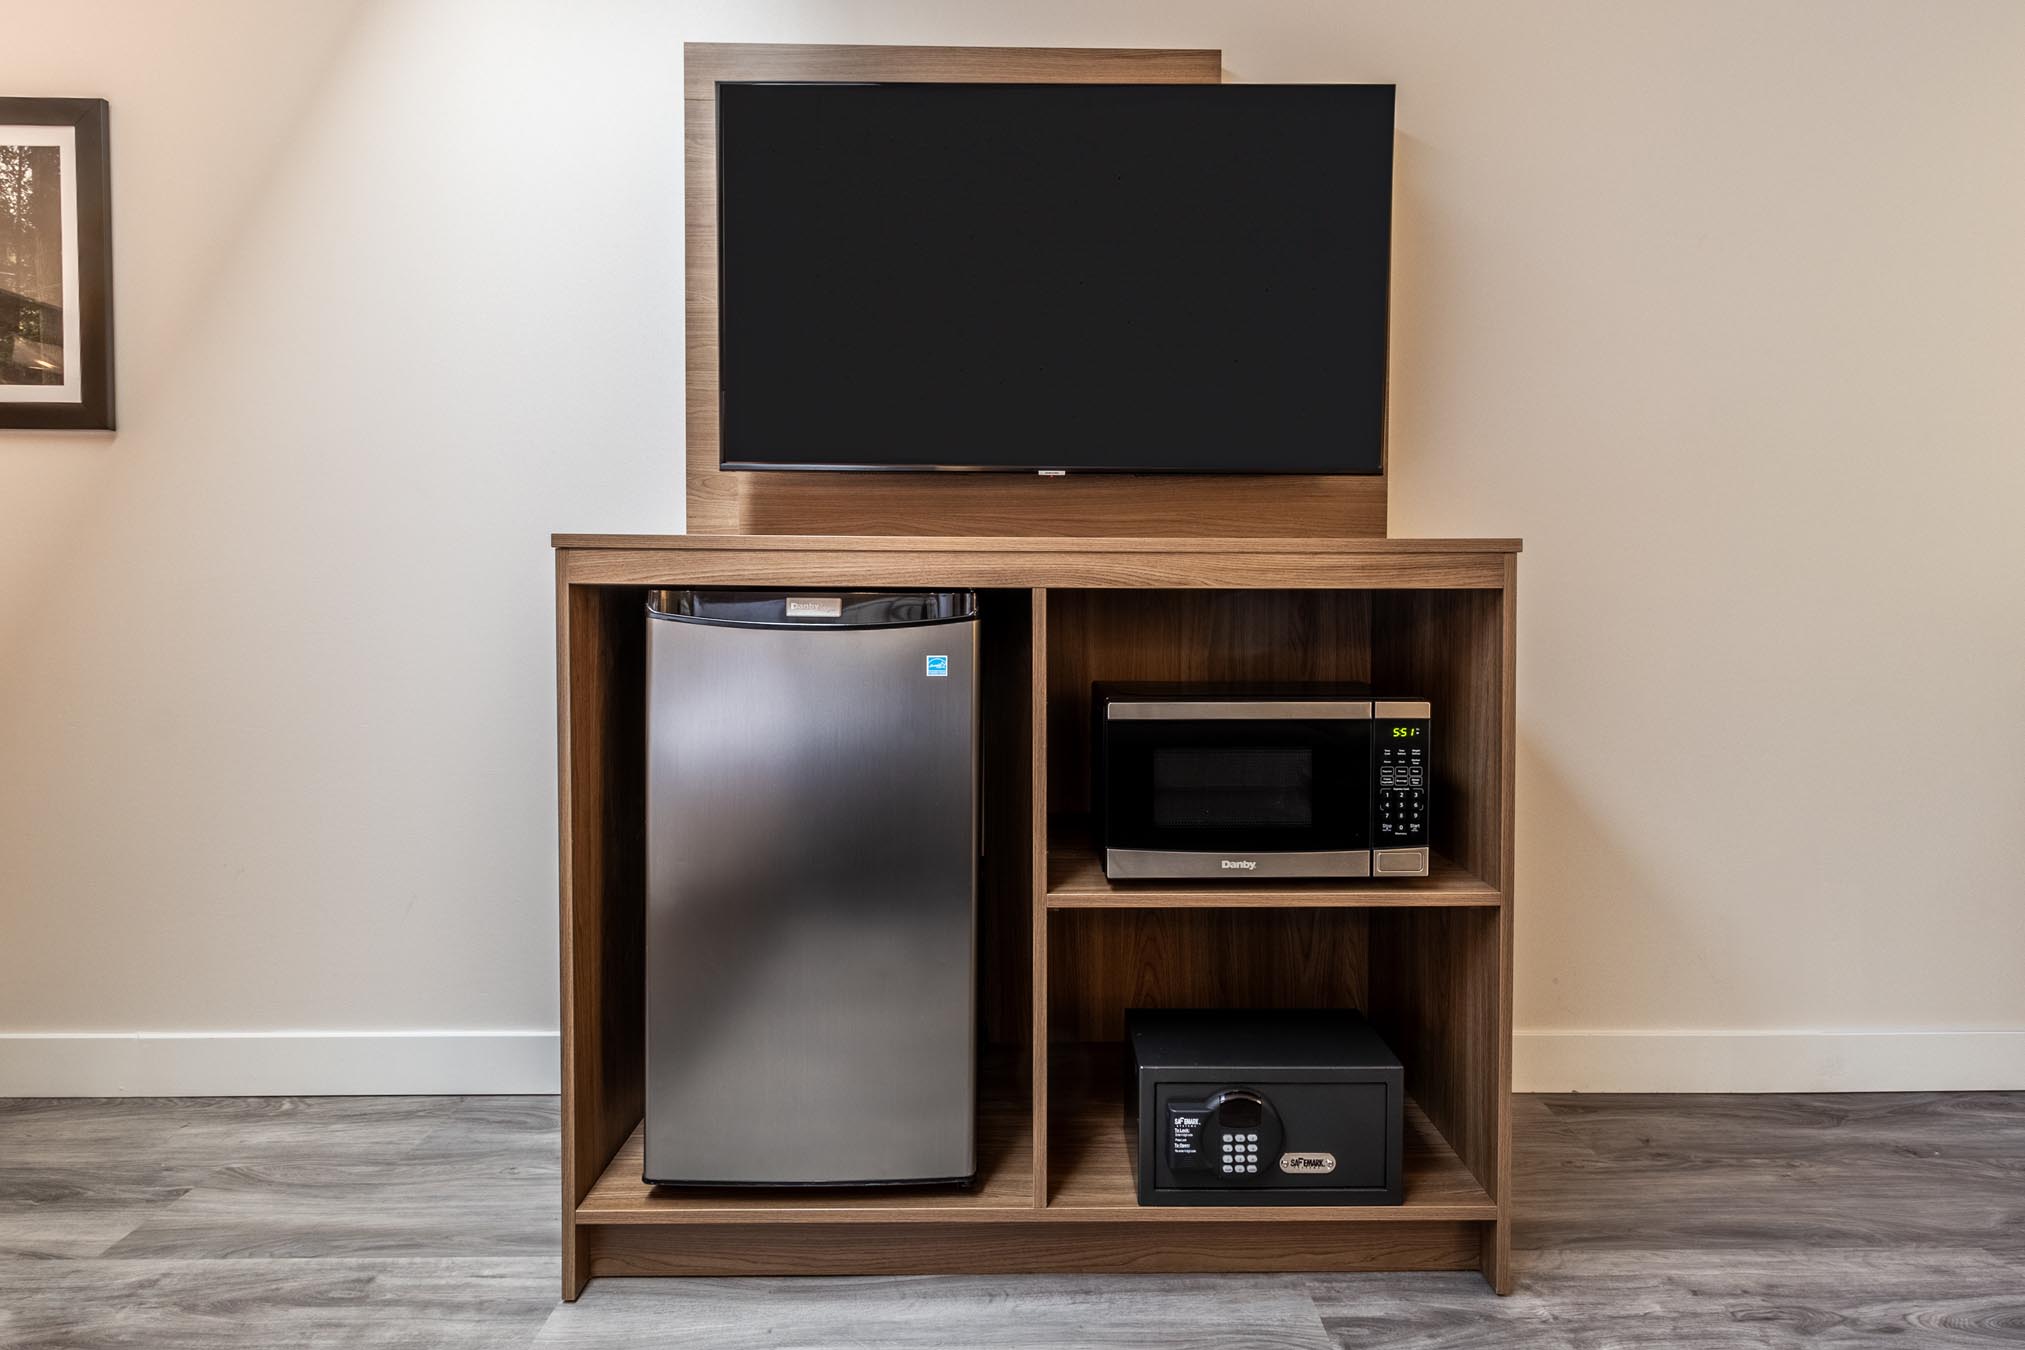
[56,306]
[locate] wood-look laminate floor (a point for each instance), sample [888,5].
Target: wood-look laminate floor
[1647,1221]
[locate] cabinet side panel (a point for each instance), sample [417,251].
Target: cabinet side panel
[1037,878]
[575,1182]
[1497,1176]
[1497,1256]
[604,879]
[1006,931]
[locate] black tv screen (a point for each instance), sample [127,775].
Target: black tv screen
[1090,278]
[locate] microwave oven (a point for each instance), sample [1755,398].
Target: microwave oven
[1249,781]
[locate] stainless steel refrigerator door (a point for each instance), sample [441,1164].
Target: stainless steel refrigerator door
[811,903]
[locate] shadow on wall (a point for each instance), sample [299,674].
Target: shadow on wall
[1582,897]
[174,249]
[1418,301]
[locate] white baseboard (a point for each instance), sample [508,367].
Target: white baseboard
[1768,1061]
[277,1063]
[388,1063]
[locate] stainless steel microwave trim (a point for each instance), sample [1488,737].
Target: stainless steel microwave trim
[1154,864]
[1405,709]
[1228,710]
[1399,862]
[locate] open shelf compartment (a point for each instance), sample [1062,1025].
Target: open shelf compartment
[1004,1187]
[1427,977]
[1093,1159]
[1441,644]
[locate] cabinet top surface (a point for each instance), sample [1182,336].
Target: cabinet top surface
[791,543]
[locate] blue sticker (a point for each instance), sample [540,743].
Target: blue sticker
[938,665]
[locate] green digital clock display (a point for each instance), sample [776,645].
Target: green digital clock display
[1401,733]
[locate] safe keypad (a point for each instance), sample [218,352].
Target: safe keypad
[1240,1153]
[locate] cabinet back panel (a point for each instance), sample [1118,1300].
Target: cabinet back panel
[1103,961]
[1213,636]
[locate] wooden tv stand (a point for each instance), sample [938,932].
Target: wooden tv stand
[1063,951]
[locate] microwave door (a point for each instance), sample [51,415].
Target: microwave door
[1221,796]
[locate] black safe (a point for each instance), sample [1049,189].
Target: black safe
[1266,1108]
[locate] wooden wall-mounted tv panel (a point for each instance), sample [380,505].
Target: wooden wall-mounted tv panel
[1117,505]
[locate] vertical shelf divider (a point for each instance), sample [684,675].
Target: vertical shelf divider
[1037,889]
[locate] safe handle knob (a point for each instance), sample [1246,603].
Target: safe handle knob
[1235,1095]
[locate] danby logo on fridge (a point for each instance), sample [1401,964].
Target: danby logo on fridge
[815,607]
[1239,864]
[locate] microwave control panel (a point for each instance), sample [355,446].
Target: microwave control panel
[1403,763]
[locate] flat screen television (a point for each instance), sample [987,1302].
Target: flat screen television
[1079,278]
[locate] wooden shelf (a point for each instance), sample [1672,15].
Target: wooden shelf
[1092,1161]
[1044,547]
[1076,880]
[1092,1153]
[1004,1188]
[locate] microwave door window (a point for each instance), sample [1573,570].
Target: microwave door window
[1238,786]
[1233,787]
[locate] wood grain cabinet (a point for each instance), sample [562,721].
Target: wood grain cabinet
[1063,951]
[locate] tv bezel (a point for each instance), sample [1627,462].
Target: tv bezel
[728,465]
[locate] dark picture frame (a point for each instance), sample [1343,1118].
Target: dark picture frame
[85,336]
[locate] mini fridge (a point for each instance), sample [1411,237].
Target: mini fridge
[812,860]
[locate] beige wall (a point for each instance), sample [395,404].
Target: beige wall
[1720,306]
